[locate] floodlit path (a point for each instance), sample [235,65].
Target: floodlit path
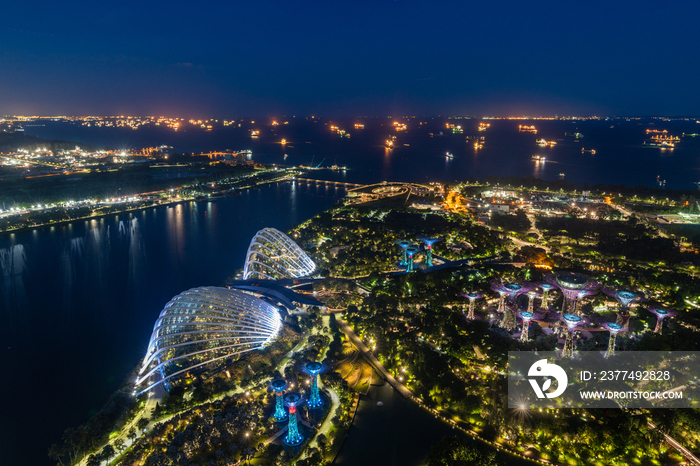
[692,459]
[401,388]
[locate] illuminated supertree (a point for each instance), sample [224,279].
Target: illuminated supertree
[429,249]
[625,299]
[614,329]
[410,252]
[579,300]
[472,297]
[293,437]
[313,368]
[570,285]
[513,290]
[660,314]
[278,386]
[531,300]
[546,287]
[571,321]
[527,317]
[403,244]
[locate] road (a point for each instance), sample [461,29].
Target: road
[401,388]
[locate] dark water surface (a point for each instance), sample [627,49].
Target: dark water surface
[78,302]
[400,433]
[620,157]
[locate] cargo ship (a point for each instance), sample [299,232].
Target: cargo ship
[484,126]
[527,129]
[573,135]
[544,143]
[538,158]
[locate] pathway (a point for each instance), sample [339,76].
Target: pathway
[401,388]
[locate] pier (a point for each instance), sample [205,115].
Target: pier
[328,183]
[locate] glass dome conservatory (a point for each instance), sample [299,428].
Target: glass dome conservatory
[272,255]
[201,328]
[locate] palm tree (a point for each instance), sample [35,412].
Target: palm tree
[56,453]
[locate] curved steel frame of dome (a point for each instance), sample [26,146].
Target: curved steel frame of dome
[273,255]
[203,325]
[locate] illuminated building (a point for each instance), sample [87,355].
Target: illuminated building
[527,317]
[571,321]
[200,329]
[272,255]
[472,297]
[660,314]
[313,368]
[614,329]
[403,244]
[278,386]
[429,250]
[293,437]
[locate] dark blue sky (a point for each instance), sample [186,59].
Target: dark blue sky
[349,58]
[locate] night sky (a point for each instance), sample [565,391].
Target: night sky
[347,58]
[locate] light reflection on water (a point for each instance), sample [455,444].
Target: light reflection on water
[78,301]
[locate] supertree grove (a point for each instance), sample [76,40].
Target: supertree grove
[429,249]
[614,328]
[472,297]
[313,368]
[571,321]
[293,437]
[527,317]
[660,314]
[278,386]
[403,244]
[546,287]
[571,284]
[410,252]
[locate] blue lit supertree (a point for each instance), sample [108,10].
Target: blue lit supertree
[625,299]
[571,321]
[410,252]
[278,386]
[429,249]
[313,368]
[403,244]
[660,314]
[472,296]
[614,329]
[546,288]
[571,284]
[512,290]
[527,317]
[293,437]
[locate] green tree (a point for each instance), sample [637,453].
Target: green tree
[456,451]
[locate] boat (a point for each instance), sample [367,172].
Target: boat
[527,129]
[478,145]
[691,135]
[573,135]
[283,142]
[436,135]
[389,143]
[449,155]
[544,143]
[538,158]
[285,156]
[590,151]
[484,126]
[661,145]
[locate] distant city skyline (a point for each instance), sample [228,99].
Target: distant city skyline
[381,58]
